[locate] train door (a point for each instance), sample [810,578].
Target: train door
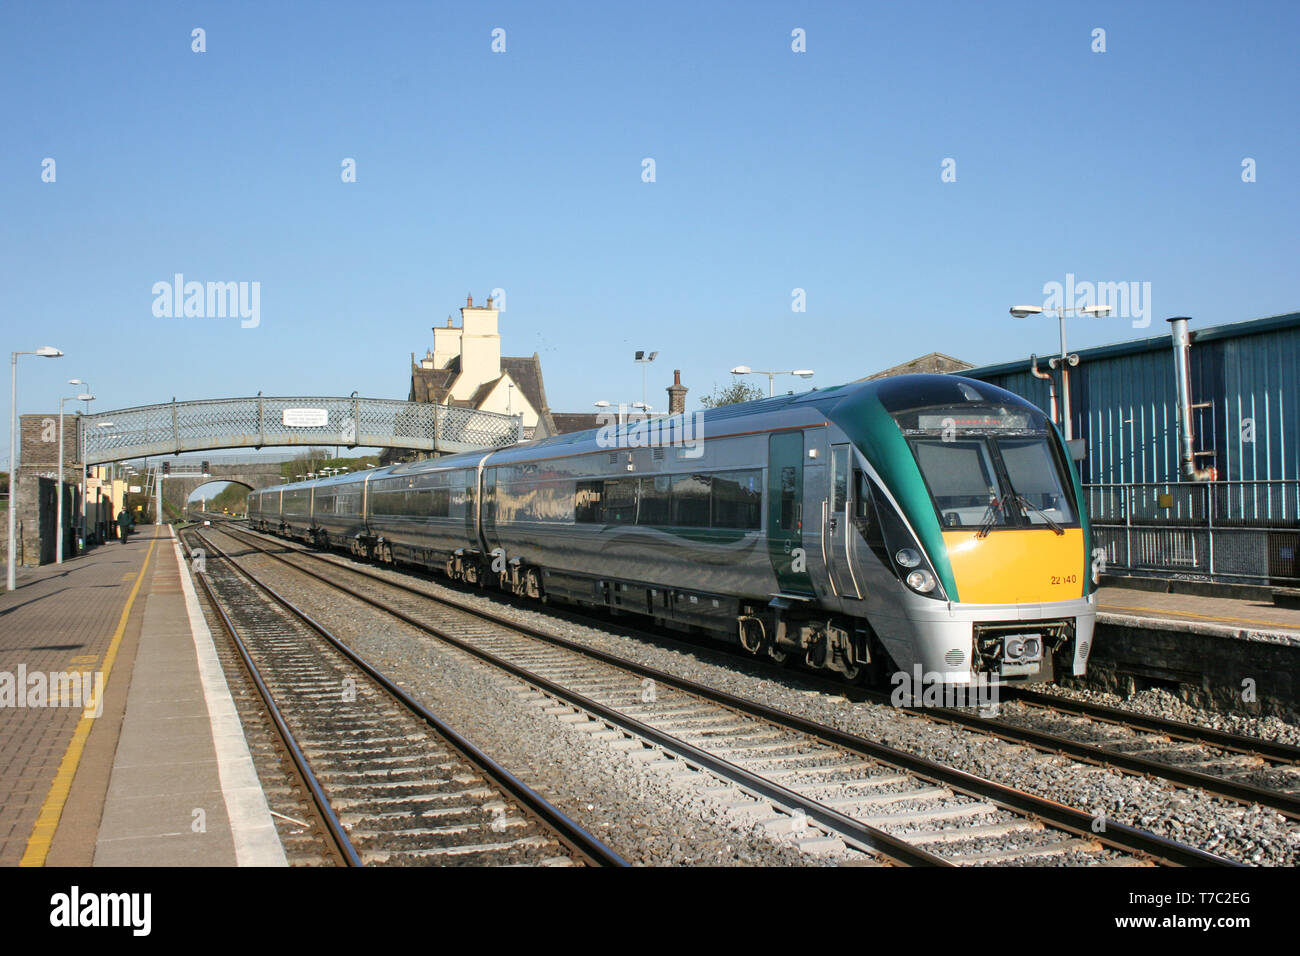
[488,510]
[785,512]
[837,525]
[467,480]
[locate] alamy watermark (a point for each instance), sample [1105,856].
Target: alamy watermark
[84,689]
[1127,300]
[632,428]
[179,299]
[921,688]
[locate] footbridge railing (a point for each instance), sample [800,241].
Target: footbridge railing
[263,421]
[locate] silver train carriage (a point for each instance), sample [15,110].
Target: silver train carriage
[922,523]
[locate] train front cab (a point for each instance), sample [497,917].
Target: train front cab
[969,553]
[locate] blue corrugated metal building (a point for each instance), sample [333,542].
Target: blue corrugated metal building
[1245,380]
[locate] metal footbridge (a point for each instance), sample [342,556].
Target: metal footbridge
[263,421]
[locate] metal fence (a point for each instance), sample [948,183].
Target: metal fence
[1240,531]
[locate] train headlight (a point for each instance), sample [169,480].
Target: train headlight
[921,581]
[908,558]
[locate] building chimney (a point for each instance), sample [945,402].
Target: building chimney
[677,394]
[469,302]
[489,305]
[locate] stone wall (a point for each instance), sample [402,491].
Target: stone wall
[35,483]
[1210,667]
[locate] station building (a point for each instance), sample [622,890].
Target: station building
[1245,402]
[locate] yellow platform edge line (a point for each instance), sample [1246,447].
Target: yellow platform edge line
[38,844]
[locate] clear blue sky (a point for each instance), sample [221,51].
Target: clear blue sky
[522,170]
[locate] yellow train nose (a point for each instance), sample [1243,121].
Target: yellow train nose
[1018,566]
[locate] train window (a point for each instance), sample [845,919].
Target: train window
[587,497]
[962,481]
[620,501]
[1036,478]
[839,478]
[653,507]
[439,502]
[864,514]
[862,503]
[789,481]
[690,501]
[737,499]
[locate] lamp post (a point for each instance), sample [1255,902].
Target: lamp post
[58,520]
[85,390]
[604,404]
[1065,359]
[45,351]
[771,376]
[644,359]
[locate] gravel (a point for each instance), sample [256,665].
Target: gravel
[1246,834]
[633,809]
[1161,703]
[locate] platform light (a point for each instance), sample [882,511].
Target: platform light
[1065,359]
[644,359]
[771,376]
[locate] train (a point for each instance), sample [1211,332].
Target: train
[916,524]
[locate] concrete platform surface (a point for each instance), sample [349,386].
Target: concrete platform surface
[1220,616]
[142,761]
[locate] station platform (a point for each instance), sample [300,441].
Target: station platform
[119,742]
[1117,604]
[1237,654]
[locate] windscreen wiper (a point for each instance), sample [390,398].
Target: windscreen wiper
[994,509]
[1026,503]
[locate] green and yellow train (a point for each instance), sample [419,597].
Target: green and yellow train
[925,524]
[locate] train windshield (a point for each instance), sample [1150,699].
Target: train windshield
[990,468]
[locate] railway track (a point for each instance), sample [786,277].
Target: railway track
[830,785]
[1248,770]
[391,782]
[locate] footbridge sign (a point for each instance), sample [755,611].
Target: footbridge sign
[263,421]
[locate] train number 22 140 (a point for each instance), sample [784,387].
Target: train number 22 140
[1065,579]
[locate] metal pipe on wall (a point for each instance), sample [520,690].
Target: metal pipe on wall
[1051,385]
[1182,343]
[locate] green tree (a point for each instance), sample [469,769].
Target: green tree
[314,459]
[735,393]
